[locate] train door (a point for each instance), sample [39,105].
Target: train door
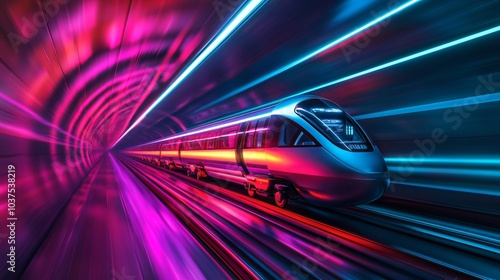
[240,140]
[253,152]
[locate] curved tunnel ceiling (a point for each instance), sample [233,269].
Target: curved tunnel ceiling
[94,65]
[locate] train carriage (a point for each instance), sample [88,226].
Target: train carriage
[305,148]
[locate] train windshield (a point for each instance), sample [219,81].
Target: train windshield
[333,122]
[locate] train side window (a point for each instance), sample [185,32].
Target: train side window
[211,136]
[250,134]
[191,143]
[260,132]
[194,143]
[217,140]
[184,144]
[201,140]
[273,131]
[228,137]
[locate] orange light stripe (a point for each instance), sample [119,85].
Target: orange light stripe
[153,153]
[226,155]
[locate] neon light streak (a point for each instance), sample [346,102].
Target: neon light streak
[212,46]
[385,65]
[485,98]
[310,55]
[210,128]
[446,161]
[403,59]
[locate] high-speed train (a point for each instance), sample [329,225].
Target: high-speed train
[305,148]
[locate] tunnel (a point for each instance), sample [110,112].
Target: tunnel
[249,139]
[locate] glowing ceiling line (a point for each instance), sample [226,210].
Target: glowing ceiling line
[212,46]
[386,65]
[311,55]
[446,161]
[404,59]
[195,131]
[487,98]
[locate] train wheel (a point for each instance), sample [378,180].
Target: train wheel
[251,191]
[281,199]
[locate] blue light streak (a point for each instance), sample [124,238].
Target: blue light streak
[403,59]
[438,225]
[446,161]
[212,46]
[310,55]
[387,65]
[473,189]
[487,98]
[445,171]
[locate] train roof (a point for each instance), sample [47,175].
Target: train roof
[282,107]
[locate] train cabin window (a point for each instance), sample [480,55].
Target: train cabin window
[250,134]
[335,124]
[282,132]
[260,132]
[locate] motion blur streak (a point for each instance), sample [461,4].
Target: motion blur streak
[327,47]
[103,225]
[394,62]
[492,97]
[253,224]
[233,25]
[450,161]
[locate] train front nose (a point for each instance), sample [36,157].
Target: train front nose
[360,178]
[351,191]
[366,181]
[363,191]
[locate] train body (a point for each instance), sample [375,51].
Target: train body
[305,148]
